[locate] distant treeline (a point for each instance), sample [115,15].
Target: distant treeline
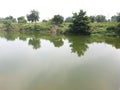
[34,17]
[79,23]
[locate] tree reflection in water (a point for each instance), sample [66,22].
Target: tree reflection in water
[78,44]
[35,43]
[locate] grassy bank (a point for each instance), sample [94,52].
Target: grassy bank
[96,28]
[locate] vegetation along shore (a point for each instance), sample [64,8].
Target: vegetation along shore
[78,24]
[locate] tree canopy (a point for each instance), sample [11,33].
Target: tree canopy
[118,17]
[100,18]
[114,18]
[80,24]
[21,19]
[69,19]
[93,18]
[11,18]
[58,19]
[33,16]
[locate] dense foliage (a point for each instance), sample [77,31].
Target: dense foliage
[8,25]
[115,29]
[80,24]
[92,19]
[10,18]
[33,16]
[58,19]
[118,17]
[21,19]
[98,18]
[69,19]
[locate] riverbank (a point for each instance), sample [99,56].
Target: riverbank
[47,27]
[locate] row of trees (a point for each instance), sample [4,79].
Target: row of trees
[98,18]
[102,18]
[79,21]
[32,17]
[58,19]
[116,18]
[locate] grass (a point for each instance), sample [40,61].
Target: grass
[36,26]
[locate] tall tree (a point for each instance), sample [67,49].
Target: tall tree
[28,17]
[33,16]
[58,19]
[80,23]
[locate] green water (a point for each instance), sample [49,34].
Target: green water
[47,62]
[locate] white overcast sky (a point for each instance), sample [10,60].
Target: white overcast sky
[49,8]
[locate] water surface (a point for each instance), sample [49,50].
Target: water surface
[42,62]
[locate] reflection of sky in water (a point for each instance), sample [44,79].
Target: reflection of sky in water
[51,68]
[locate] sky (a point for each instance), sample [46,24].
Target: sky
[49,8]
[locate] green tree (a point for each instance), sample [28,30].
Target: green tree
[11,18]
[8,25]
[80,24]
[21,19]
[28,18]
[69,19]
[58,19]
[33,16]
[92,18]
[118,17]
[114,18]
[100,18]
[44,20]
